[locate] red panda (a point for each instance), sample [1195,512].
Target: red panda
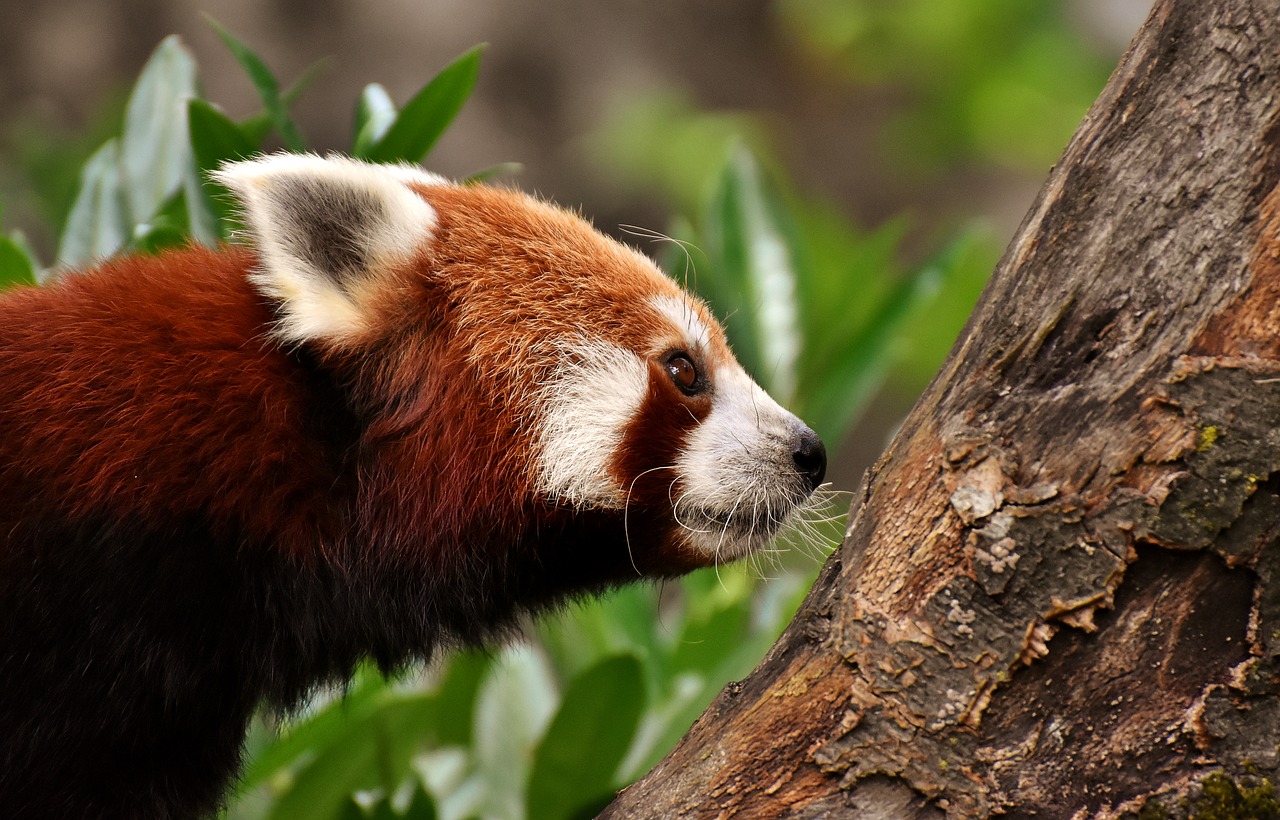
[405,413]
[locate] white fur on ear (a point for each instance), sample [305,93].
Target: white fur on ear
[324,227]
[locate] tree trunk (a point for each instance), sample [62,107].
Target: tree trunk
[1060,591]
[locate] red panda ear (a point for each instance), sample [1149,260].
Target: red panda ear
[325,230]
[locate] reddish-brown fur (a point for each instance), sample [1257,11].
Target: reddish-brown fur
[123,396]
[189,351]
[500,351]
[204,518]
[197,517]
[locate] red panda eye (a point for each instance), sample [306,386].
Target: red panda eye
[683,373]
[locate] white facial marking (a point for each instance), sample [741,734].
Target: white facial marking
[737,471]
[585,409]
[322,225]
[680,313]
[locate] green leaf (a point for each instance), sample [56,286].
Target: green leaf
[257,127]
[623,622]
[382,810]
[424,118]
[97,225]
[486,174]
[267,86]
[18,265]
[351,810]
[166,229]
[207,218]
[576,763]
[215,138]
[154,150]
[966,265]
[375,112]
[753,276]
[153,238]
[291,94]
[373,752]
[319,731]
[769,274]
[421,806]
[852,272]
[724,281]
[457,697]
[706,641]
[836,401]
[517,700]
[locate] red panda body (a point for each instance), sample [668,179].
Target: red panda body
[410,413]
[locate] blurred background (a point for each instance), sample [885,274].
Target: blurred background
[842,174]
[943,114]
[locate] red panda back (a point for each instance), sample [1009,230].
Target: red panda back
[411,413]
[149,390]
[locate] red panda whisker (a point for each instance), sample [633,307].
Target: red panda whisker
[627,509]
[626,536]
[807,519]
[675,514]
[728,521]
[683,245]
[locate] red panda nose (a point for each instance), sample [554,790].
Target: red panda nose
[810,457]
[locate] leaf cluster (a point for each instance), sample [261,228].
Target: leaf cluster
[999,81]
[148,188]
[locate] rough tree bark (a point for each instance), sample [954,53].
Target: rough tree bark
[1060,591]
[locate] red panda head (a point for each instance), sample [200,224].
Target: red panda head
[515,359]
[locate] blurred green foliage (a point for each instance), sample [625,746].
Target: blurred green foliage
[967,83]
[1004,82]
[998,80]
[815,307]
[818,309]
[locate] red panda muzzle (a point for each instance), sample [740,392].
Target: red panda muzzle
[406,413]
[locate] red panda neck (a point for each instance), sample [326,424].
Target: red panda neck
[196,517]
[150,391]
